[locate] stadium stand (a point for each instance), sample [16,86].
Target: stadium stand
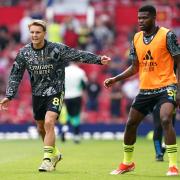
[109,32]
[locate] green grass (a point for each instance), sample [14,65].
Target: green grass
[90,160]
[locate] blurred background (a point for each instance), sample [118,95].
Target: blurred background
[100,26]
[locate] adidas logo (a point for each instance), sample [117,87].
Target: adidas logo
[148,56]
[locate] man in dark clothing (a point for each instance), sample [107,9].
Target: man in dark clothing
[45,62]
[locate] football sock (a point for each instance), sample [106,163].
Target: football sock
[48,151]
[56,150]
[128,153]
[75,120]
[172,154]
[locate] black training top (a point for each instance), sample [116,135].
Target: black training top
[46,67]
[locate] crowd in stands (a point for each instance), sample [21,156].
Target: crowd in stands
[104,37]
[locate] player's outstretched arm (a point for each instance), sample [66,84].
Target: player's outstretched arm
[4,104]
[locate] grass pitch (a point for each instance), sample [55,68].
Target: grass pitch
[90,160]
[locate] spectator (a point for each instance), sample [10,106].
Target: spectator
[75,83]
[23,25]
[130,89]
[54,31]
[70,31]
[4,37]
[93,92]
[115,104]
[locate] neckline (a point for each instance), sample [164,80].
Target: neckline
[45,43]
[151,35]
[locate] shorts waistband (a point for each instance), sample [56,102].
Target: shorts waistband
[157,90]
[153,91]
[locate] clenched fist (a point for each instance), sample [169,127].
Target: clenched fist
[4,104]
[105,60]
[109,82]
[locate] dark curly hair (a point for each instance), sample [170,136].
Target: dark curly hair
[148,8]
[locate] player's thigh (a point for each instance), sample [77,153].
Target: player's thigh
[54,106]
[135,117]
[39,108]
[55,102]
[167,101]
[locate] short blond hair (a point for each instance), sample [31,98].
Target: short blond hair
[38,22]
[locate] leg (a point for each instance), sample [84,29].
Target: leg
[74,109]
[40,128]
[63,119]
[166,115]
[46,110]
[64,130]
[75,122]
[50,120]
[51,153]
[158,133]
[134,119]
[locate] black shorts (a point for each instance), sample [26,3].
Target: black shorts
[73,106]
[146,103]
[48,103]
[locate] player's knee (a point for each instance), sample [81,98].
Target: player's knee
[166,121]
[131,124]
[49,124]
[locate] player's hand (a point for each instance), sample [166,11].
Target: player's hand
[105,60]
[4,104]
[109,82]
